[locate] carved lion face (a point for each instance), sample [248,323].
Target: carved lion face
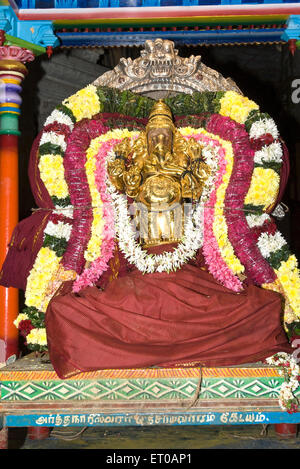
[159,55]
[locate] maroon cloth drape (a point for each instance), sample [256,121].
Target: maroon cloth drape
[284,174]
[27,240]
[162,319]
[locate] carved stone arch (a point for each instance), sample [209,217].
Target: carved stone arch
[159,71]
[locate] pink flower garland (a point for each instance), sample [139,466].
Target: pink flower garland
[239,233]
[217,266]
[100,265]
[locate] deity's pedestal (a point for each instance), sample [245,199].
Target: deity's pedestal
[33,396]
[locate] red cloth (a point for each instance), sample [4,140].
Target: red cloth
[162,319]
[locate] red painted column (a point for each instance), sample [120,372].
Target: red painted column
[286,430]
[12,73]
[9,192]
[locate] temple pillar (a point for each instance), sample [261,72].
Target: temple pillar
[12,73]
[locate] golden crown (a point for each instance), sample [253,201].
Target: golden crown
[160,116]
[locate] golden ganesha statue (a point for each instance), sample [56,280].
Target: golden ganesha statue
[159,171]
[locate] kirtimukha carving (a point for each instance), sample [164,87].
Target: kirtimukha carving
[160,70]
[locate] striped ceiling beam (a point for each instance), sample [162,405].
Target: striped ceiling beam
[171,21]
[183,37]
[78,26]
[209,13]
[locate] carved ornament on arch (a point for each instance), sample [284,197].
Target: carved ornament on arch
[160,68]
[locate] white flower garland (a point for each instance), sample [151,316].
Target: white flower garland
[55,139]
[268,243]
[209,153]
[269,153]
[59,117]
[257,220]
[67,211]
[149,263]
[262,127]
[59,230]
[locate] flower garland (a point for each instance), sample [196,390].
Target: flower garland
[275,249]
[236,106]
[80,196]
[217,250]
[52,148]
[264,188]
[290,370]
[238,230]
[84,104]
[101,244]
[263,126]
[254,220]
[44,278]
[242,124]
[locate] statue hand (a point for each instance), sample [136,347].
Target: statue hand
[194,149]
[116,168]
[132,180]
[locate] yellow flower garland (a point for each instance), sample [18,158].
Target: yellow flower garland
[94,245]
[236,106]
[44,268]
[93,250]
[84,104]
[264,187]
[220,225]
[52,174]
[37,337]
[288,275]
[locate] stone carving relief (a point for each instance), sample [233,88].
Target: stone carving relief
[160,69]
